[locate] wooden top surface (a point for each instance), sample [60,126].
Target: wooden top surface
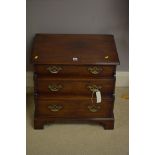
[83,48]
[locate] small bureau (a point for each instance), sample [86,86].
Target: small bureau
[74,78]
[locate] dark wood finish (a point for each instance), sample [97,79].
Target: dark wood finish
[74,108]
[107,123]
[74,86]
[74,71]
[38,123]
[89,49]
[61,84]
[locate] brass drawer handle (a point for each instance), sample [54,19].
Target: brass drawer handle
[55,107]
[54,69]
[54,87]
[94,70]
[94,88]
[94,108]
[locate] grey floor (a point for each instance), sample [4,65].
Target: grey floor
[81,139]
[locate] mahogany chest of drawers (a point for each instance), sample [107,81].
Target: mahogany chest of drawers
[74,78]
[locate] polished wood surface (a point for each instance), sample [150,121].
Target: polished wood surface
[61,49]
[74,86]
[68,69]
[74,71]
[74,108]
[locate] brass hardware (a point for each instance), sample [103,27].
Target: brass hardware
[54,69]
[55,107]
[36,57]
[94,88]
[106,57]
[75,59]
[95,70]
[93,108]
[54,87]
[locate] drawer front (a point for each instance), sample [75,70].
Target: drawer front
[67,70]
[74,108]
[74,87]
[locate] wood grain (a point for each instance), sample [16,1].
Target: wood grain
[73,78]
[75,108]
[61,49]
[74,86]
[74,71]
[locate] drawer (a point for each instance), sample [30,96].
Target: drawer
[66,70]
[65,86]
[74,107]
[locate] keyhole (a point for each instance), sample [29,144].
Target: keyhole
[75,59]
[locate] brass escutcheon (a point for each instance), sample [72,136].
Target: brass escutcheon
[94,88]
[54,87]
[36,57]
[95,70]
[106,57]
[55,107]
[54,69]
[93,108]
